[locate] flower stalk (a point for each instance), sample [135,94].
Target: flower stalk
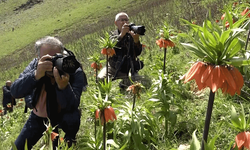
[208,118]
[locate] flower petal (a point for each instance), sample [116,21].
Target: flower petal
[195,69]
[240,139]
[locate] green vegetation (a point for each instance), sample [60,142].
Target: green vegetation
[169,110]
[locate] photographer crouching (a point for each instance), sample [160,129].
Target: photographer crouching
[127,49]
[54,82]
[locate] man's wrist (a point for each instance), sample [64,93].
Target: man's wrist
[62,87]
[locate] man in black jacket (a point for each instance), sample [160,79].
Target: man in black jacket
[54,96]
[127,49]
[8,100]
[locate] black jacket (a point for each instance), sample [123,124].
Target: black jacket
[7,98]
[68,99]
[121,49]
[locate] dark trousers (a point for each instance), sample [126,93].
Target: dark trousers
[32,131]
[34,128]
[5,109]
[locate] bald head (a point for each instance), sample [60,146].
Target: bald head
[8,83]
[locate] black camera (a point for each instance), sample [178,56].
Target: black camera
[67,64]
[137,29]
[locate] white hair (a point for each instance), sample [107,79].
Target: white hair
[120,14]
[48,40]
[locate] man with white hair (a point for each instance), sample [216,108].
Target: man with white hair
[120,64]
[54,96]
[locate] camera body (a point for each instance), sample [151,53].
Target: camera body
[64,63]
[137,29]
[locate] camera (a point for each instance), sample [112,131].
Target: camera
[137,29]
[67,64]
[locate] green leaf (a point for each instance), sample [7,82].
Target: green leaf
[238,61]
[195,50]
[211,144]
[228,49]
[224,36]
[195,144]
[242,118]
[235,119]
[112,142]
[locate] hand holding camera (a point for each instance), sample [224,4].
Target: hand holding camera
[62,81]
[133,30]
[43,66]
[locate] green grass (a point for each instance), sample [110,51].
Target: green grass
[82,23]
[48,18]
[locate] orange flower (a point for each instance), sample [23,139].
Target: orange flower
[227,23]
[96,66]
[164,43]
[217,21]
[53,135]
[97,113]
[243,139]
[135,89]
[245,12]
[234,4]
[223,16]
[109,114]
[108,51]
[61,140]
[228,79]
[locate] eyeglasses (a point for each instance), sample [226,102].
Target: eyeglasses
[124,19]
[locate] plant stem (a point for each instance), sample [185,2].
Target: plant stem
[208,118]
[247,39]
[107,73]
[96,75]
[95,135]
[164,63]
[133,102]
[104,131]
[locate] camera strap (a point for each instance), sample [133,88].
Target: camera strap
[69,52]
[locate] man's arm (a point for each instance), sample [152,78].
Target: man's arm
[26,82]
[69,97]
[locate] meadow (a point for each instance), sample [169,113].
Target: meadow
[167,112]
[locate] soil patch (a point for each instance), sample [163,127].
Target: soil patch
[29,4]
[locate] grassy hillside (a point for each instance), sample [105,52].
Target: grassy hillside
[79,24]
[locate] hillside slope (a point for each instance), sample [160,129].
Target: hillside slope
[24,22]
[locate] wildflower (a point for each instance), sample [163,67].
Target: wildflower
[108,51]
[53,135]
[245,12]
[97,113]
[227,78]
[109,114]
[164,43]
[227,23]
[234,4]
[94,65]
[243,140]
[135,89]
[217,21]
[223,16]
[61,140]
